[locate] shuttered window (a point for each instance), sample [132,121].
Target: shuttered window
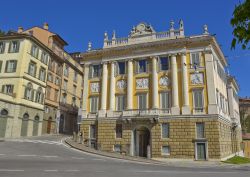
[2,47]
[14,46]
[8,89]
[94,104]
[142,101]
[32,69]
[120,102]
[42,74]
[195,60]
[11,66]
[92,132]
[1,63]
[34,51]
[118,130]
[94,71]
[200,130]
[198,99]
[165,100]
[165,130]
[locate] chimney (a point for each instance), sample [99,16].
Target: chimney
[46,26]
[20,29]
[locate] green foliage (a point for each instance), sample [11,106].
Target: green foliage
[241,24]
[2,33]
[237,160]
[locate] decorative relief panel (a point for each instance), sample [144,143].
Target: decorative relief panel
[197,78]
[95,87]
[121,84]
[164,81]
[142,83]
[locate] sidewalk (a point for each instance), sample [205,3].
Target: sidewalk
[156,161]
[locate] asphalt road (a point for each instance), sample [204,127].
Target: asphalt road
[47,156]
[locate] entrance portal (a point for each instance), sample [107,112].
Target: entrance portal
[142,141]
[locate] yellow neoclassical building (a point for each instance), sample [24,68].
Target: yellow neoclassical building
[159,95]
[23,72]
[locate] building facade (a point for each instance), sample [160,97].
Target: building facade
[158,94]
[23,72]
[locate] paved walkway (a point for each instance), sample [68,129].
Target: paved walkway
[160,161]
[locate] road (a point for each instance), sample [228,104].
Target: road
[47,156]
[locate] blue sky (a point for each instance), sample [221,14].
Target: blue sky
[79,21]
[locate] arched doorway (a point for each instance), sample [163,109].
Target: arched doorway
[35,126]
[3,122]
[25,122]
[61,124]
[141,141]
[49,125]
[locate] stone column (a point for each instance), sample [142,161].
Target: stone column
[211,89]
[185,107]
[155,104]
[112,88]
[130,85]
[104,87]
[85,90]
[175,110]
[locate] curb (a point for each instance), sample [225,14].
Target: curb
[117,157]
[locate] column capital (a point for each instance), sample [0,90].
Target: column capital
[172,54]
[104,62]
[183,53]
[152,57]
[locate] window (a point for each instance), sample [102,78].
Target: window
[118,130]
[1,63]
[120,102]
[95,71]
[65,84]
[34,51]
[200,128]
[14,46]
[8,89]
[29,93]
[39,95]
[4,112]
[142,101]
[56,95]
[73,101]
[165,130]
[51,64]
[57,81]
[94,104]
[74,89]
[164,65]
[59,69]
[121,68]
[142,66]
[48,91]
[44,57]
[92,132]
[195,60]
[2,47]
[50,77]
[66,71]
[75,76]
[198,100]
[11,66]
[165,100]
[42,74]
[32,69]
[165,150]
[117,148]
[64,98]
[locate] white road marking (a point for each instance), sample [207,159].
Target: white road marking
[2,154]
[72,170]
[179,172]
[51,170]
[27,155]
[35,141]
[79,158]
[10,170]
[50,156]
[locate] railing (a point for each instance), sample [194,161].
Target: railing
[198,110]
[149,37]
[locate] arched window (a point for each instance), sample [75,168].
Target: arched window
[29,93]
[39,95]
[4,112]
[36,118]
[26,116]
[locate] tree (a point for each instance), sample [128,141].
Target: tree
[241,24]
[2,33]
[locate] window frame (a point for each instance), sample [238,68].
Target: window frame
[197,130]
[169,100]
[118,131]
[2,49]
[97,104]
[168,130]
[13,70]
[169,150]
[117,102]
[202,109]
[11,49]
[138,101]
